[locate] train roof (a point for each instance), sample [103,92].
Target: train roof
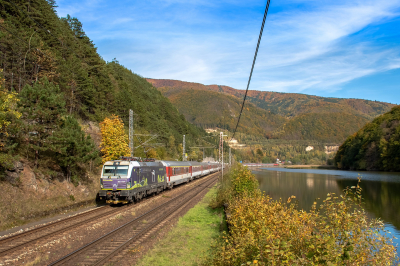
[121,162]
[195,163]
[158,163]
[176,163]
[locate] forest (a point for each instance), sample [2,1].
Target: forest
[376,146]
[54,86]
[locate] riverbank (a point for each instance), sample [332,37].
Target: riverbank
[330,167]
[188,243]
[267,231]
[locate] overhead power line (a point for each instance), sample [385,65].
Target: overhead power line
[252,67]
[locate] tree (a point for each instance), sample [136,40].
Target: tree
[72,147]
[151,153]
[42,106]
[8,105]
[114,140]
[8,114]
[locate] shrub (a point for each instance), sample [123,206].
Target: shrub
[269,232]
[238,181]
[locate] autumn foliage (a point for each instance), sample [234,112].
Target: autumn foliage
[374,147]
[270,232]
[114,140]
[8,106]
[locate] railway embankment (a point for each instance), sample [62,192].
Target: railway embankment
[144,223]
[264,231]
[31,196]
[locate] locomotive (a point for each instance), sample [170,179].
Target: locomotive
[131,179]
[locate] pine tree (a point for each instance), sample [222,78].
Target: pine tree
[42,106]
[72,147]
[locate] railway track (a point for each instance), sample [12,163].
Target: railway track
[19,241]
[111,244]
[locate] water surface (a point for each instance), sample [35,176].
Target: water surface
[381,190]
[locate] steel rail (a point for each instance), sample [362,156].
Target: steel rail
[74,225]
[146,229]
[77,252]
[25,233]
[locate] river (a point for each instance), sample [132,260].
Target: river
[381,190]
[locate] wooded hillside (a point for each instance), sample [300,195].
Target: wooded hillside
[61,83]
[374,147]
[212,109]
[290,116]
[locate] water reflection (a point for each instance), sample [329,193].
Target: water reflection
[305,186]
[381,191]
[381,198]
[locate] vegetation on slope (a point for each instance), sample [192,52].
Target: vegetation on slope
[287,104]
[323,127]
[291,116]
[374,147]
[61,83]
[212,109]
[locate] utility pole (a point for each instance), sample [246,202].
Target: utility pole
[221,152]
[220,147]
[230,157]
[183,150]
[131,132]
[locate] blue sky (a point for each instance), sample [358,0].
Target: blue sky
[342,48]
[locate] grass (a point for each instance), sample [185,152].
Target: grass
[189,241]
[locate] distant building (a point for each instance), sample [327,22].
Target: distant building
[330,149]
[309,148]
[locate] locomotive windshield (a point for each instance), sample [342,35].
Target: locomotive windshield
[108,170]
[115,170]
[122,170]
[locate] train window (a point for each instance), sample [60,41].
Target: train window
[108,170]
[122,170]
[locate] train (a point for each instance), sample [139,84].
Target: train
[131,179]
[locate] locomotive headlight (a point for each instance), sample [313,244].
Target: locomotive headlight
[101,183]
[128,185]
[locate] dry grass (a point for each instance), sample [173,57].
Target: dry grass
[19,205]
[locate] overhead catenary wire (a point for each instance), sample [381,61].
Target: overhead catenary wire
[252,67]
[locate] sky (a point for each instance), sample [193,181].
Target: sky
[342,48]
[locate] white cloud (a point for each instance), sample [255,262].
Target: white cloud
[319,46]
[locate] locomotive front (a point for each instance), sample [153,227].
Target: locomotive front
[116,181]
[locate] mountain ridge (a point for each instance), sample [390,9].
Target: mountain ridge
[295,116]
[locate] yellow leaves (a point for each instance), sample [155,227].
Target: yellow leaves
[114,140]
[8,106]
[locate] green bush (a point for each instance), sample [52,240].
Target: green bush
[238,181]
